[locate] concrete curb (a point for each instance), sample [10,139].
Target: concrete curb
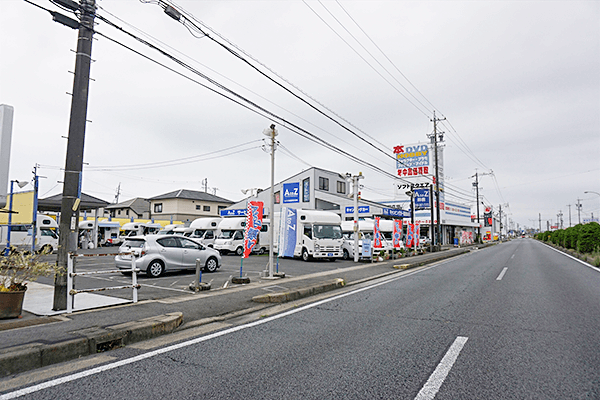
[91,341]
[292,295]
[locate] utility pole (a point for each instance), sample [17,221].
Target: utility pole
[476,184]
[568,205]
[559,220]
[540,217]
[434,139]
[500,210]
[355,191]
[578,205]
[118,193]
[271,133]
[71,196]
[35,208]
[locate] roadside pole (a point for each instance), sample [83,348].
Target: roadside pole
[71,196]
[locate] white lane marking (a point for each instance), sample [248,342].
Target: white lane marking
[107,367]
[438,377]
[513,256]
[499,278]
[574,258]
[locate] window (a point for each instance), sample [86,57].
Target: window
[206,208]
[158,208]
[127,212]
[323,183]
[308,231]
[341,187]
[197,206]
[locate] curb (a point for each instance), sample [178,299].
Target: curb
[283,297]
[93,340]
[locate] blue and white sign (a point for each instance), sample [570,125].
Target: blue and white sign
[394,212]
[361,210]
[291,192]
[366,248]
[287,232]
[306,190]
[233,213]
[421,198]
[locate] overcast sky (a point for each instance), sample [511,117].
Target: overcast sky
[517,81]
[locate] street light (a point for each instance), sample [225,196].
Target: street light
[10,213]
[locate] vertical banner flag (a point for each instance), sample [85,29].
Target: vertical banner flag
[377,235]
[254,217]
[397,238]
[417,235]
[410,235]
[287,232]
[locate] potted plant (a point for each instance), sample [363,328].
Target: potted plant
[16,270]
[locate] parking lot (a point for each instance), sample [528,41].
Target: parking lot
[176,283]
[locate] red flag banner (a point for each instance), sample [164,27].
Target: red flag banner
[254,216]
[377,235]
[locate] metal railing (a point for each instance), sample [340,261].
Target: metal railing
[71,291]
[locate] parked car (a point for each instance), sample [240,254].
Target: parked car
[160,253]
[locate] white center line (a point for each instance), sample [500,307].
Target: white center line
[438,377]
[499,278]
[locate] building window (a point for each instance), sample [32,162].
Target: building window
[197,206]
[158,208]
[219,208]
[323,183]
[119,212]
[127,212]
[206,208]
[277,197]
[341,187]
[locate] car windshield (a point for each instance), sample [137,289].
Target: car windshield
[129,232]
[49,232]
[198,233]
[327,231]
[387,235]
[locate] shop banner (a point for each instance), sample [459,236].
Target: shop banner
[397,238]
[287,232]
[254,216]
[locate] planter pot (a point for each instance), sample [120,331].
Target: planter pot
[11,304]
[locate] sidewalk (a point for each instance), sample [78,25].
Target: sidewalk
[42,337]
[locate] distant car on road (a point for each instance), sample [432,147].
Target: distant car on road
[425,241]
[160,253]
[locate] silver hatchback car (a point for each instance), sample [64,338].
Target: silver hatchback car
[159,253]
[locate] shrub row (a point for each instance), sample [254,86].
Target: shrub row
[581,238]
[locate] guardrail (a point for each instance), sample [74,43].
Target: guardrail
[71,291]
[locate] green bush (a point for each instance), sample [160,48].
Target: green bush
[571,236]
[589,238]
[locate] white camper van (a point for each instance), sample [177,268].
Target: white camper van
[231,238]
[107,233]
[206,230]
[169,229]
[139,229]
[46,236]
[365,231]
[318,234]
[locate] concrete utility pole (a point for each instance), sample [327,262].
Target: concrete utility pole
[500,210]
[437,180]
[578,205]
[271,133]
[355,190]
[476,184]
[568,205]
[71,197]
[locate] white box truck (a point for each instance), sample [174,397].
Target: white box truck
[46,236]
[318,234]
[231,238]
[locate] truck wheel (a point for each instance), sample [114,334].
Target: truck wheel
[261,251]
[346,254]
[305,255]
[46,249]
[239,251]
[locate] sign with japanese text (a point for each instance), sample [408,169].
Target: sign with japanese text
[254,215]
[397,234]
[421,197]
[394,212]
[366,248]
[233,213]
[377,234]
[306,190]
[361,210]
[413,160]
[412,235]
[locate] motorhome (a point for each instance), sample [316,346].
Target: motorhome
[365,231]
[139,229]
[206,230]
[107,234]
[317,234]
[231,237]
[21,235]
[183,231]
[169,229]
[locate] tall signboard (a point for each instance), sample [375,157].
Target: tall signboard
[6,121]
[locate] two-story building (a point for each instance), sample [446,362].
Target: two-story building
[187,205]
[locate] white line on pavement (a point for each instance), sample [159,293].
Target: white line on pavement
[499,278]
[438,377]
[570,256]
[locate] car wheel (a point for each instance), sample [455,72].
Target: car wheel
[211,264]
[46,249]
[239,251]
[155,269]
[261,251]
[305,256]
[346,254]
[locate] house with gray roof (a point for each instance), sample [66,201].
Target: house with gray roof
[187,205]
[134,208]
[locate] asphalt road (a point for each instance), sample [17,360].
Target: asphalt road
[518,320]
